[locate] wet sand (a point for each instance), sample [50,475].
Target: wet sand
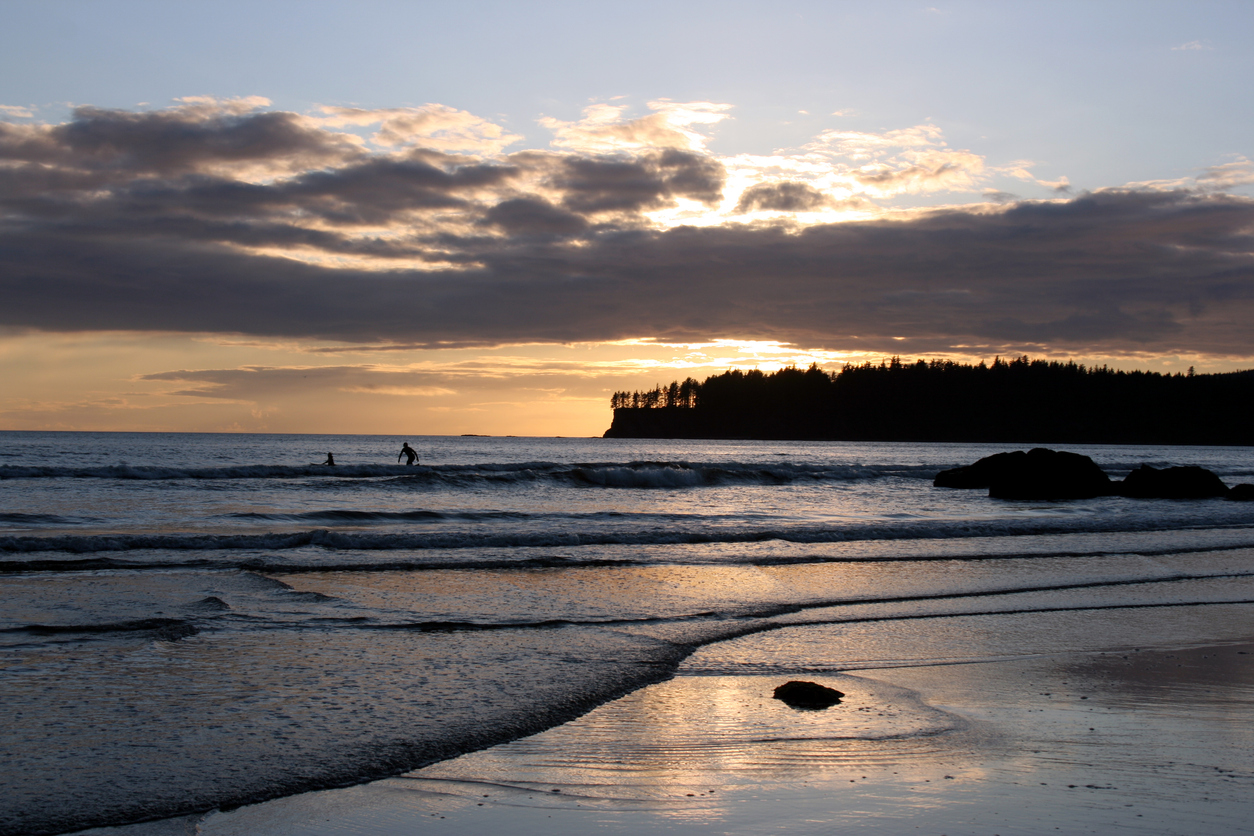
[1145,741]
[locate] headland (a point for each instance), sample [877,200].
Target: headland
[1016,401]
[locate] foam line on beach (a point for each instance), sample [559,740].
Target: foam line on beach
[872,619]
[19,518]
[391,541]
[15,565]
[768,613]
[169,628]
[708,617]
[774,611]
[355,517]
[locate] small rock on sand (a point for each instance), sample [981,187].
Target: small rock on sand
[807,695]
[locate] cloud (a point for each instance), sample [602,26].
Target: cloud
[603,130]
[399,391]
[922,164]
[912,160]
[213,105]
[533,216]
[997,196]
[1113,268]
[1061,186]
[1239,172]
[784,196]
[157,221]
[271,385]
[201,135]
[431,126]
[649,180]
[15,112]
[1191,46]
[860,145]
[923,171]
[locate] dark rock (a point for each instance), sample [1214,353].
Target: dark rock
[1036,474]
[981,474]
[1190,482]
[807,695]
[1051,474]
[1243,492]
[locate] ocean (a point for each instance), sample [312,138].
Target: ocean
[195,622]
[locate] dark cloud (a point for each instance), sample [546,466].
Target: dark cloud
[370,193]
[533,216]
[185,140]
[1125,269]
[173,141]
[376,191]
[783,196]
[648,181]
[137,222]
[996,196]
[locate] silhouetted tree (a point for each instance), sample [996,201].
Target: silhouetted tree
[1016,400]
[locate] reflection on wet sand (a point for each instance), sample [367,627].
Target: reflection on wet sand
[1110,737]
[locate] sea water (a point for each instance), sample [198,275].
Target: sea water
[194,622]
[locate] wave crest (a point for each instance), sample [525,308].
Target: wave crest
[636,474]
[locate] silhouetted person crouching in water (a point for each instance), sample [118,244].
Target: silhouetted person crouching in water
[330,460]
[408,452]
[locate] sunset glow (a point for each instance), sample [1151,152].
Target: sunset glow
[164,250]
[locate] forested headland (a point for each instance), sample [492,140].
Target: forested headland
[1015,401]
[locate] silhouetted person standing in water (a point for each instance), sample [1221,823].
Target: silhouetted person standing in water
[408,452]
[330,460]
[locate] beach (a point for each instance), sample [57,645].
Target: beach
[476,419]
[583,636]
[1124,740]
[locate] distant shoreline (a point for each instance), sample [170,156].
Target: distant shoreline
[1011,402]
[657,427]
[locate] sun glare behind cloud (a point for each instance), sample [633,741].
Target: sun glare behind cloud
[624,249]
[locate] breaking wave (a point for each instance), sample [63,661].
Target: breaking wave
[667,535]
[638,474]
[167,629]
[18,518]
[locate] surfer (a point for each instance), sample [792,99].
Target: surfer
[330,460]
[408,452]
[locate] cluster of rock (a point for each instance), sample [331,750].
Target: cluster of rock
[1055,474]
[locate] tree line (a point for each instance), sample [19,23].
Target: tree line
[682,395]
[1008,400]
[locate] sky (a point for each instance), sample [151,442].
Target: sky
[424,218]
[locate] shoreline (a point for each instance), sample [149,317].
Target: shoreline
[418,618]
[1148,741]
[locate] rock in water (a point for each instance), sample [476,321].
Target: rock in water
[1191,482]
[1036,474]
[981,474]
[1052,474]
[807,694]
[1243,492]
